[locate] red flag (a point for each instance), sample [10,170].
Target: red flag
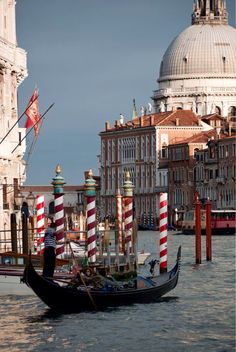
[32,112]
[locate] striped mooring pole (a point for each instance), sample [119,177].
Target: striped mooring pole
[90,193]
[58,183]
[40,223]
[163,232]
[119,219]
[128,204]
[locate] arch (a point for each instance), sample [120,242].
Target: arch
[218,110]
[232,111]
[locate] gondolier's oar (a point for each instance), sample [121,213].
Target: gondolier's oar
[81,278]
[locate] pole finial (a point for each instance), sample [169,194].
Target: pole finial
[58,181]
[90,184]
[58,169]
[128,186]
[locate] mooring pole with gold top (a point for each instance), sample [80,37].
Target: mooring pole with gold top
[128,205]
[90,193]
[58,183]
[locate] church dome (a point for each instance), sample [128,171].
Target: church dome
[201,50]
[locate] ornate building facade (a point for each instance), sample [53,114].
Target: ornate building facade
[198,69]
[140,146]
[215,172]
[12,72]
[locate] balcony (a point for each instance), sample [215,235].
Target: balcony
[220,180]
[161,189]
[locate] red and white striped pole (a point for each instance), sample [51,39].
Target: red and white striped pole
[58,183]
[119,218]
[163,232]
[90,193]
[40,223]
[128,204]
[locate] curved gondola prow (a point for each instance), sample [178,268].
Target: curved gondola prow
[179,254]
[176,268]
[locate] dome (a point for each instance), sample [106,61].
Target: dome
[201,50]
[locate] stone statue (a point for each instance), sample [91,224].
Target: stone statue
[142,110]
[162,106]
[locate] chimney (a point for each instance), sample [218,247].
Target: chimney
[177,121]
[151,120]
[107,125]
[141,121]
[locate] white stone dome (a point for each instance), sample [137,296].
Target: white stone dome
[201,50]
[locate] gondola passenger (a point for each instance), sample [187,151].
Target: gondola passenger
[49,251]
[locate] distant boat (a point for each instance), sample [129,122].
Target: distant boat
[223,222]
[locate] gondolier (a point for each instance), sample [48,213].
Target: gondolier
[49,251]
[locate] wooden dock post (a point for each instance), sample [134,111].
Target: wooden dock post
[197,230]
[13,233]
[25,238]
[135,242]
[208,231]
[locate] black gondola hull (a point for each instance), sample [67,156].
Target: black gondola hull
[64,298]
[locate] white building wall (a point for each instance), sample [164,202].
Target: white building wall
[12,72]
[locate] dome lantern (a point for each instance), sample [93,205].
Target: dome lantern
[209,11]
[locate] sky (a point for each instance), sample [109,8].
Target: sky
[91,58]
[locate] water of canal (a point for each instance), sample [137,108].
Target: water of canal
[199,315]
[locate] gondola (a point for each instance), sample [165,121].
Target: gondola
[77,298]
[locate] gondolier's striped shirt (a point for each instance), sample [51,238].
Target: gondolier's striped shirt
[49,239]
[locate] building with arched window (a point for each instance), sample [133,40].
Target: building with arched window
[141,147]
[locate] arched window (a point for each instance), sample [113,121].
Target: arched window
[164,151]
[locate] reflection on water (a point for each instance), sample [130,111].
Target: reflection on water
[198,315]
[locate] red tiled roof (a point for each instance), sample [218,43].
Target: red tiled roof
[168,118]
[214,116]
[202,137]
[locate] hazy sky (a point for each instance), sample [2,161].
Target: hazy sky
[91,58]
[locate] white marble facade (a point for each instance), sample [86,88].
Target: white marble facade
[13,71]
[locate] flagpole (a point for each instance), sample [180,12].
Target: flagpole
[30,152]
[36,123]
[31,148]
[18,120]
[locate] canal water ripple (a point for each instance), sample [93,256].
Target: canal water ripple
[199,315]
